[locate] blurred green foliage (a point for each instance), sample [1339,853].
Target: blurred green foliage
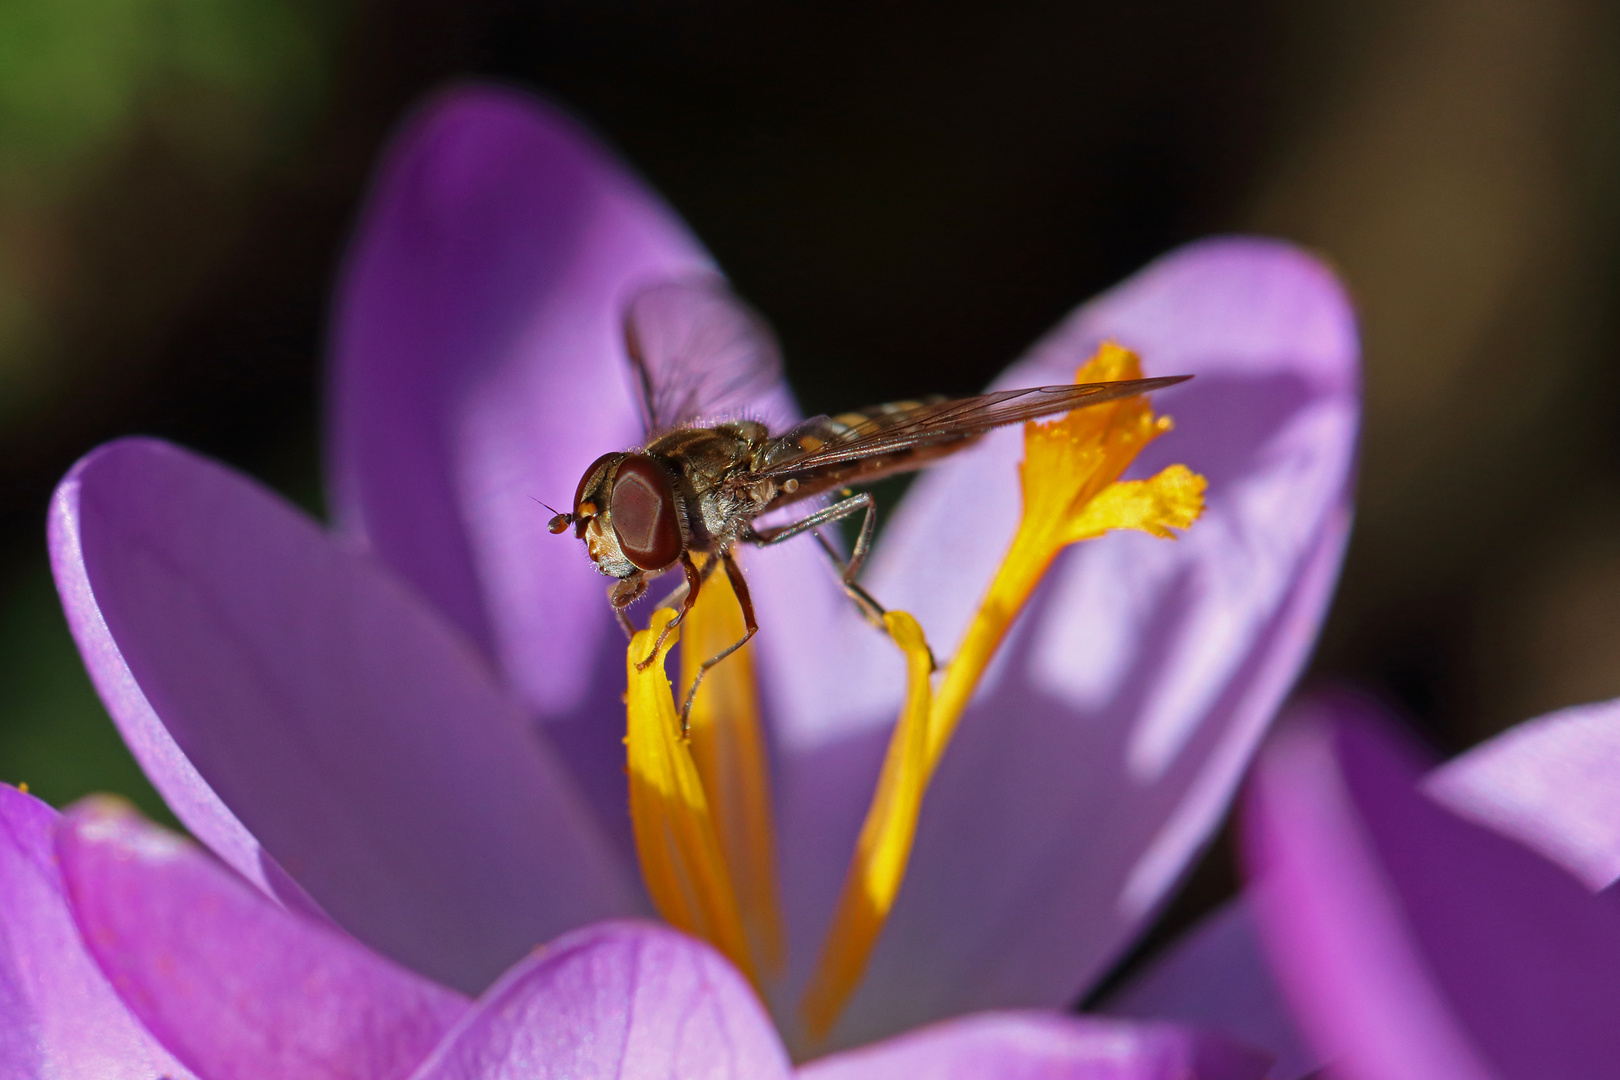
[224,86]
[73,73]
[175,112]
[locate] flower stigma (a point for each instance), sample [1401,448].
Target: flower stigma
[701,810]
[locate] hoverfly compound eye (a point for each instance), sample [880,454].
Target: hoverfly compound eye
[646,517]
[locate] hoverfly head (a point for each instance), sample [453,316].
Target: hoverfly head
[628,514]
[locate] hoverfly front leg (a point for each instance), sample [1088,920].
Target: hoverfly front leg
[750,628]
[869,607]
[694,582]
[623,593]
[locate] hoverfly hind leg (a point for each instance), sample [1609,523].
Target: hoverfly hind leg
[869,608]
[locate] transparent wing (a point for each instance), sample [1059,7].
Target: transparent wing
[894,429]
[696,350]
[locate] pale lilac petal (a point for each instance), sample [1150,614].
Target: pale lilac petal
[282,690]
[1552,783]
[479,366]
[1215,977]
[59,1017]
[1412,943]
[236,986]
[1106,744]
[617,1001]
[1044,1046]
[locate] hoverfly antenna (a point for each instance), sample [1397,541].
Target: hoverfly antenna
[559,522]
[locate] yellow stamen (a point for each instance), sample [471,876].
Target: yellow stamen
[881,852]
[728,746]
[676,839]
[1072,491]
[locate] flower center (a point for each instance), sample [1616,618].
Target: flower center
[701,810]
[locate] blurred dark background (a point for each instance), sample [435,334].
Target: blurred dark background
[912,192]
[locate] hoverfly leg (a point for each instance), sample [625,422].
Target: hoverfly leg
[869,607]
[751,627]
[694,582]
[863,542]
[677,595]
[838,511]
[621,594]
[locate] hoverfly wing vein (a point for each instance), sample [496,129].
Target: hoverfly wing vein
[696,350]
[891,429]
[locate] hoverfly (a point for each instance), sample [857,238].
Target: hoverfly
[705,473]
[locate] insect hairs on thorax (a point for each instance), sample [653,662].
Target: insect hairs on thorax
[711,465]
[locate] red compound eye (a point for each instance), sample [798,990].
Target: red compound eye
[646,517]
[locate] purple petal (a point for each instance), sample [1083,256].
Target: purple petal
[480,366]
[239,988]
[1550,784]
[1108,739]
[1413,943]
[617,1001]
[59,1017]
[281,689]
[1215,977]
[1044,1046]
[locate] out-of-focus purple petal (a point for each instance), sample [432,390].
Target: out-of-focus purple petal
[237,987]
[479,366]
[251,663]
[1108,738]
[1216,978]
[1552,783]
[1410,942]
[1045,1046]
[616,1001]
[59,1017]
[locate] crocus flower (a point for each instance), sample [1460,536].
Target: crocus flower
[1442,923]
[129,953]
[411,726]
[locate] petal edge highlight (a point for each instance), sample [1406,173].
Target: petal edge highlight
[288,696]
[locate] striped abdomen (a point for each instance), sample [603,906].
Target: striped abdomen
[819,432]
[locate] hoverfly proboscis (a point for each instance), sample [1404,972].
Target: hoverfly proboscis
[696,486]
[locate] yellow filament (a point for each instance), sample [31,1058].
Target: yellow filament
[676,840]
[1072,491]
[879,865]
[728,747]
